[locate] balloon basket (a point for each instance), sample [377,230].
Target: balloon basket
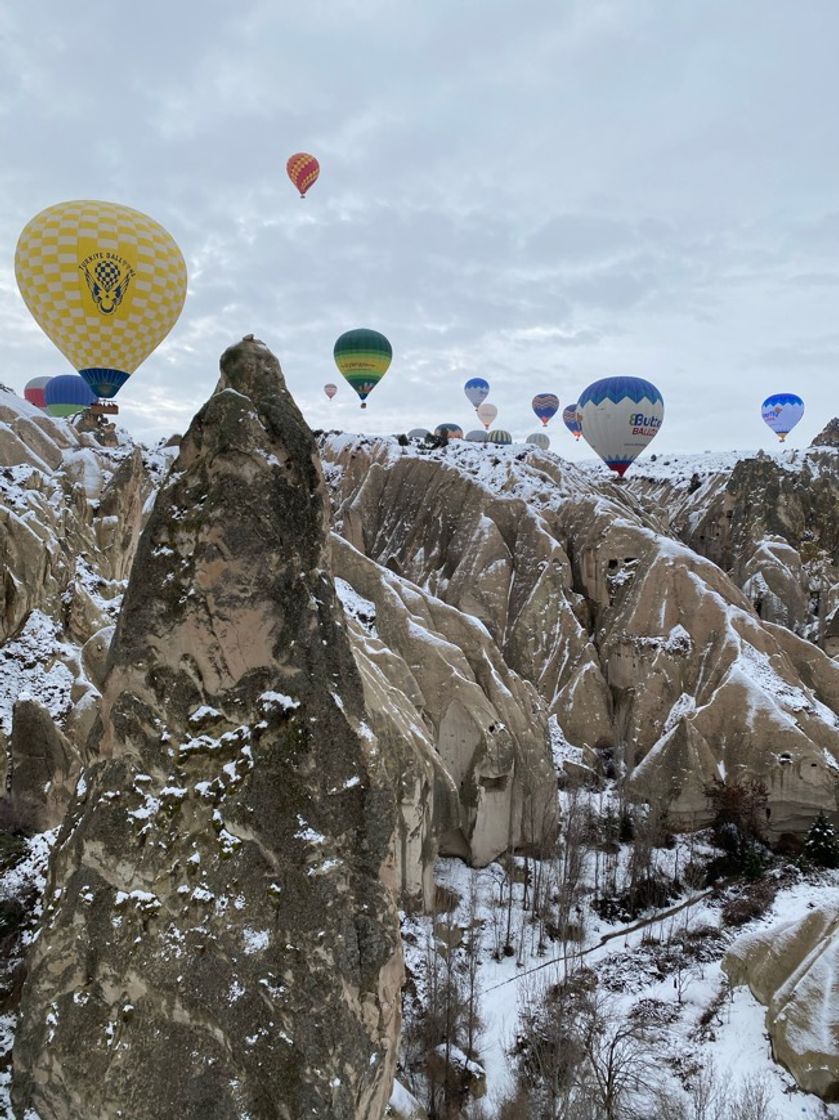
[103,408]
[364,404]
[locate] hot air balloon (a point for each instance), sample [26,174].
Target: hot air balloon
[486,414]
[500,437]
[571,421]
[476,390]
[477,436]
[540,440]
[418,433]
[453,431]
[33,391]
[363,357]
[545,405]
[330,389]
[303,170]
[105,283]
[781,412]
[619,417]
[68,394]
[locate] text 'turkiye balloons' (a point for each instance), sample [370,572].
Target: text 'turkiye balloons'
[781,412]
[104,282]
[619,417]
[303,171]
[363,357]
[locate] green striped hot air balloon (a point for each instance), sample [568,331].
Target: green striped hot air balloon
[363,357]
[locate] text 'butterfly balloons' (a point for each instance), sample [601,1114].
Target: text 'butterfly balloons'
[619,417]
[781,412]
[105,283]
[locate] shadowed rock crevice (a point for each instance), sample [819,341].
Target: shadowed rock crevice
[221,936]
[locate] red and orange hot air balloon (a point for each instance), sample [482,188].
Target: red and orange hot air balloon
[303,170]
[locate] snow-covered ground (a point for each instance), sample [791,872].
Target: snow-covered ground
[625,958]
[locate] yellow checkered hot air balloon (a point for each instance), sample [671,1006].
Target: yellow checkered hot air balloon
[104,282]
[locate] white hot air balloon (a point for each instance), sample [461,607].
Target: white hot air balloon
[486,413]
[540,440]
[619,417]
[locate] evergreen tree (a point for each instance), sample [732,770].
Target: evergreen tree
[822,845]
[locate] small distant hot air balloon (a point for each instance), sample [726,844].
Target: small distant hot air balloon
[477,436]
[33,391]
[68,394]
[572,421]
[363,357]
[781,412]
[499,437]
[418,433]
[545,405]
[619,417]
[453,431]
[330,389]
[303,170]
[540,440]
[476,390]
[486,414]
[104,282]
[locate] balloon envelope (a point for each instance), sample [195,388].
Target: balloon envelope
[68,394]
[486,413]
[330,389]
[619,417]
[363,357]
[454,431]
[303,169]
[33,391]
[572,421]
[418,433]
[476,390]
[540,440]
[477,436]
[781,412]
[499,436]
[104,282]
[545,405]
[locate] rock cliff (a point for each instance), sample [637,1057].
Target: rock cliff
[791,968]
[220,934]
[644,650]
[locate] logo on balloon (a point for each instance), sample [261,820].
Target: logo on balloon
[644,425]
[107,276]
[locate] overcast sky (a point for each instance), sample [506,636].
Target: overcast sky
[538,193]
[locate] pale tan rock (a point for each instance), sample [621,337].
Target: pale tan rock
[793,969]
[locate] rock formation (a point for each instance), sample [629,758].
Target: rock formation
[220,937]
[791,968]
[642,649]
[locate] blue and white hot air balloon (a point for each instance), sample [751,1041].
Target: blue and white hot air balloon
[476,390]
[781,412]
[619,417]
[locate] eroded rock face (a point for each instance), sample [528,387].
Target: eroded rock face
[791,968]
[636,644]
[221,937]
[464,737]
